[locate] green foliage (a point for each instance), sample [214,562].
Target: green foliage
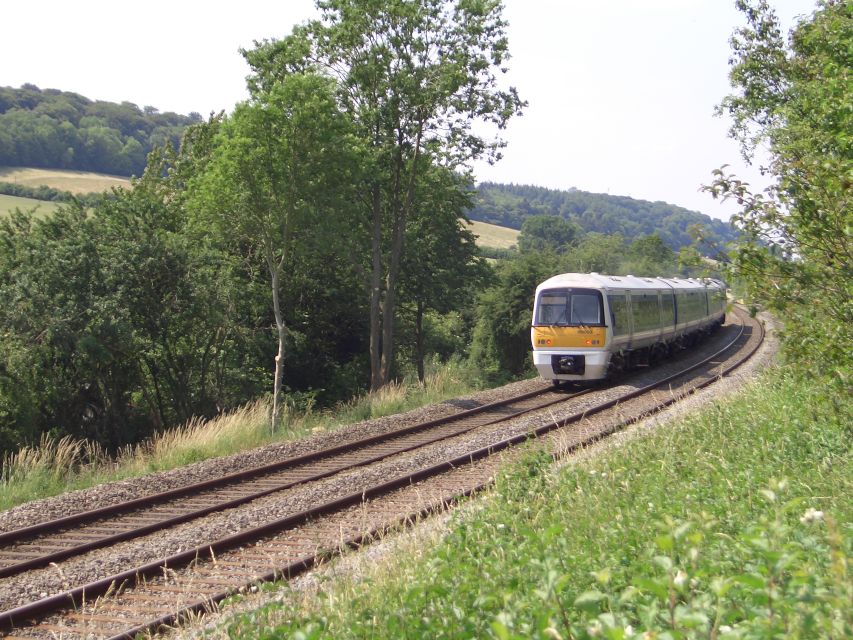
[48,194]
[501,341]
[119,321]
[511,205]
[598,252]
[412,77]
[64,130]
[441,270]
[278,168]
[796,253]
[540,233]
[690,532]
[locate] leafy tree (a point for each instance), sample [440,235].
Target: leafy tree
[597,252]
[547,232]
[501,347]
[650,256]
[276,175]
[117,321]
[441,269]
[413,76]
[796,251]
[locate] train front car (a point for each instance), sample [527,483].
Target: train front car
[569,332]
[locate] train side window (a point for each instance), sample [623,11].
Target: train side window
[618,313]
[645,309]
[668,309]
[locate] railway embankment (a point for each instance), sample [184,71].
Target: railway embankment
[733,521]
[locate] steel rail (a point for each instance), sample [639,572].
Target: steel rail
[17,535]
[104,512]
[75,597]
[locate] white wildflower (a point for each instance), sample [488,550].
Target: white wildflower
[680,579]
[811,515]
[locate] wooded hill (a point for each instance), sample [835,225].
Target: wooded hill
[509,205]
[49,128]
[56,129]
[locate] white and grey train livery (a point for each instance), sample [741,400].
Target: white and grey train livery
[587,325]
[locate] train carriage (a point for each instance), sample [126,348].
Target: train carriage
[585,326]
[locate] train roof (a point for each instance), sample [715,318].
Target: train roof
[600,281]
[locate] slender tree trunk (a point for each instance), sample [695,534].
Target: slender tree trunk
[275,272]
[419,340]
[389,308]
[376,379]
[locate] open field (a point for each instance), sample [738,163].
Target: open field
[10,203]
[491,235]
[74,181]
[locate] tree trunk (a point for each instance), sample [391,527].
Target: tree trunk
[376,380]
[419,340]
[398,238]
[279,358]
[389,306]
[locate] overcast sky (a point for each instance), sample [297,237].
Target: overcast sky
[621,93]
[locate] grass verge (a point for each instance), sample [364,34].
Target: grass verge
[53,467]
[736,523]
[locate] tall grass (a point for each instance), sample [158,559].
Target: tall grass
[732,524]
[55,466]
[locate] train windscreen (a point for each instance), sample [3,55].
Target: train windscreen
[569,307]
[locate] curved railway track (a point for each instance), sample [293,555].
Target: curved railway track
[149,596]
[54,540]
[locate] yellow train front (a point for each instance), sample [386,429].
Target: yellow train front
[586,325]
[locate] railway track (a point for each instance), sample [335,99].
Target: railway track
[157,593]
[51,541]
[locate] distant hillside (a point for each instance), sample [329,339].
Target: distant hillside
[494,236]
[62,130]
[509,205]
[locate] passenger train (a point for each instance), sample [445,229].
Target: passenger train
[587,326]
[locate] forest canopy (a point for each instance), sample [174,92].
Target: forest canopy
[49,128]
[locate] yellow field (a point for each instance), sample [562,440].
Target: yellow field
[491,235]
[10,203]
[73,181]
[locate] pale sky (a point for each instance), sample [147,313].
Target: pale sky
[621,93]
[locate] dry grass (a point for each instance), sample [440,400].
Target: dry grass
[74,181]
[50,458]
[491,235]
[52,467]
